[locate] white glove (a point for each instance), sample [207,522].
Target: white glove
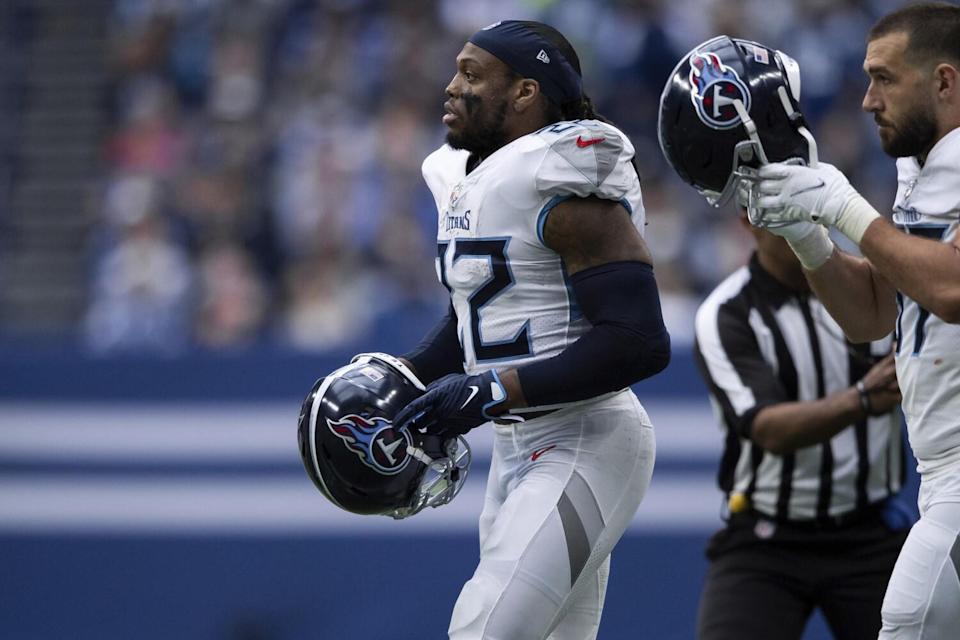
[810,242]
[822,194]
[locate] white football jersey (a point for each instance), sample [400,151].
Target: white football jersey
[928,351]
[511,293]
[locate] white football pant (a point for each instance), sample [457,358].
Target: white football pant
[922,601]
[561,491]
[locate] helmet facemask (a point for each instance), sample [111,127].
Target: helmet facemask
[750,152]
[442,480]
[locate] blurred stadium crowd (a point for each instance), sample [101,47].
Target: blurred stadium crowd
[261,168]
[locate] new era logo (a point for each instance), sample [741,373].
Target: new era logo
[543,57]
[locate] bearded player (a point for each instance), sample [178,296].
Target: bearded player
[554,313]
[907,281]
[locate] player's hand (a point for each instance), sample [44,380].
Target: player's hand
[454,404]
[809,241]
[882,389]
[795,193]
[748,197]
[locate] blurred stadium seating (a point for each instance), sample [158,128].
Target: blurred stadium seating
[206,204]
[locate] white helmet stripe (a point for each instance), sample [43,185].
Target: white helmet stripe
[314,410]
[394,362]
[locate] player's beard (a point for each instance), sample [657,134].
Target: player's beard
[483,131]
[914,135]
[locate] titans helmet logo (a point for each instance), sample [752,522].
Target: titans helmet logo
[714,88]
[375,441]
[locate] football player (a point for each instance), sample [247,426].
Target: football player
[812,459]
[907,281]
[554,313]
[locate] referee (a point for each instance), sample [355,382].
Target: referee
[812,460]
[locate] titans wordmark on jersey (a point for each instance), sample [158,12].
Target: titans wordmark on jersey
[510,291]
[928,349]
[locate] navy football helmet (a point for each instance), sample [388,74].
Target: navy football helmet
[729,106]
[357,459]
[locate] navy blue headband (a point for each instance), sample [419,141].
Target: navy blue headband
[528,54]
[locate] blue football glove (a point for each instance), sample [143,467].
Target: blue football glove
[455,404]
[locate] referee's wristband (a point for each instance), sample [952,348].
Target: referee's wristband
[864,397]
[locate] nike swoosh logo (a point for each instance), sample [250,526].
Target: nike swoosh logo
[813,188]
[473,391]
[539,452]
[583,144]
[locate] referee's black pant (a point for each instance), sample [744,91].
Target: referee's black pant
[765,579]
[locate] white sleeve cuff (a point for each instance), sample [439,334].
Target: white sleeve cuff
[856,216]
[813,249]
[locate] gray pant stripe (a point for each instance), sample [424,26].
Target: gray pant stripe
[580,494]
[578,547]
[582,522]
[955,555]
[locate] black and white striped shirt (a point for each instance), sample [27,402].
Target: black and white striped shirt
[759,344]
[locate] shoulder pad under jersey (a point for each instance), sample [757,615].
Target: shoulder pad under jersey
[586,157]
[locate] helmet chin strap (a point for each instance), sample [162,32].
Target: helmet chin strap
[419,454]
[755,215]
[751,128]
[744,151]
[792,114]
[756,146]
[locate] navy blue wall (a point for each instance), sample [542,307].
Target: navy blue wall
[253,374]
[300,588]
[246,585]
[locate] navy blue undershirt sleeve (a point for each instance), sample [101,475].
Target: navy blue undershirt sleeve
[439,353]
[627,343]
